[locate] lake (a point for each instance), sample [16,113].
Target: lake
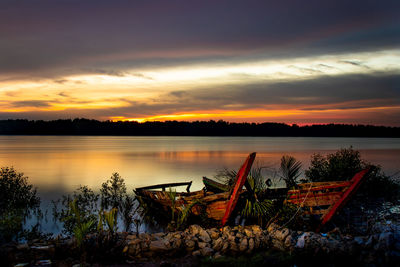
[57,165]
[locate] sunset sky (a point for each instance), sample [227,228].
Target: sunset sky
[256,61]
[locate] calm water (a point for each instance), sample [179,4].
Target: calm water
[59,164]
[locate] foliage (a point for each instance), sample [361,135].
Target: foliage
[82,225]
[113,191]
[85,206]
[262,211]
[290,215]
[110,219]
[114,195]
[290,170]
[343,164]
[226,176]
[172,196]
[184,214]
[338,166]
[127,211]
[18,200]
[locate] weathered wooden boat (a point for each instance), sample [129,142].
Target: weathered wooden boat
[218,206]
[325,199]
[322,199]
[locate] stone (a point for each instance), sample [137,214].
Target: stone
[218,244]
[203,235]
[195,229]
[281,234]
[256,229]
[248,232]
[251,245]
[244,245]
[158,246]
[203,245]
[190,244]
[225,247]
[134,242]
[131,237]
[207,251]
[196,253]
[239,235]
[217,255]
[214,234]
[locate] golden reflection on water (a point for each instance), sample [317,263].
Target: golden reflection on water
[54,167]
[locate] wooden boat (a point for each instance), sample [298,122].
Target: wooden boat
[325,199]
[219,206]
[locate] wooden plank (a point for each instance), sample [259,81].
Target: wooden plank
[240,180]
[315,195]
[320,188]
[163,186]
[356,182]
[320,201]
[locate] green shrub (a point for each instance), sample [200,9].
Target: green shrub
[85,205]
[290,170]
[338,166]
[344,164]
[18,200]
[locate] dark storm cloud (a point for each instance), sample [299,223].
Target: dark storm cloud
[342,92]
[55,38]
[30,103]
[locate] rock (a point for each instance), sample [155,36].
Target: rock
[207,251]
[239,235]
[195,229]
[248,232]
[256,229]
[158,246]
[203,235]
[134,242]
[217,255]
[190,244]
[131,237]
[244,245]
[158,235]
[226,229]
[301,241]
[214,234]
[281,234]
[196,253]
[177,235]
[203,244]
[251,245]
[218,244]
[225,247]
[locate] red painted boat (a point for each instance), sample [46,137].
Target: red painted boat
[325,199]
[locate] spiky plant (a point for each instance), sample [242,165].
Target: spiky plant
[290,170]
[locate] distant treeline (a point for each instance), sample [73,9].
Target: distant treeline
[183,128]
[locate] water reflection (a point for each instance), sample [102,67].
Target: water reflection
[65,162]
